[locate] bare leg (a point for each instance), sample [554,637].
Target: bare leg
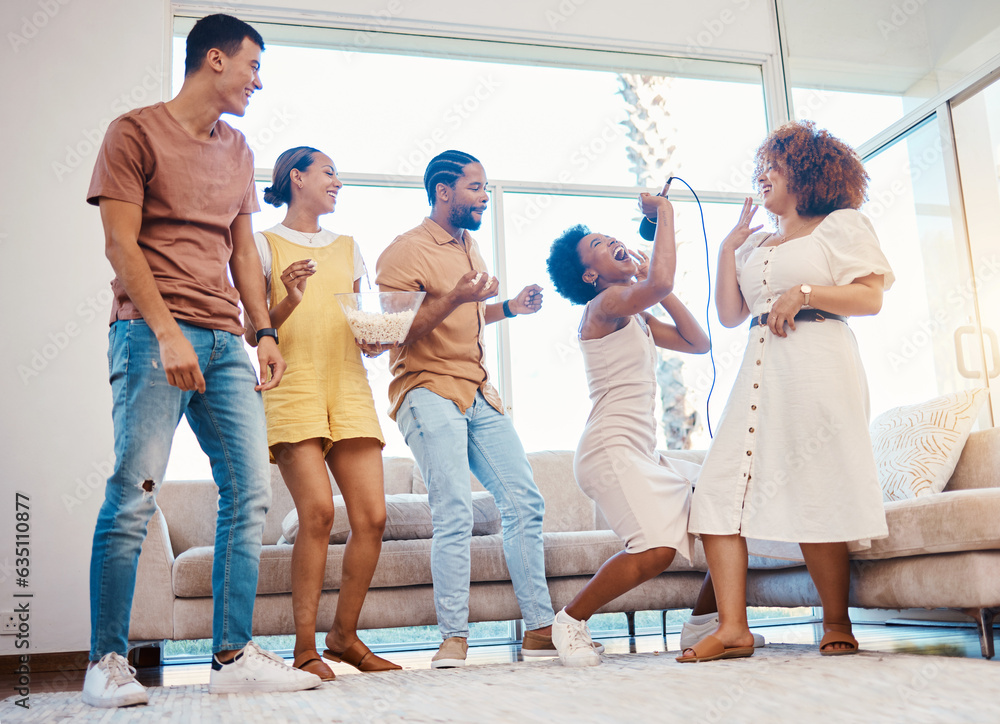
[356,464]
[706,598]
[304,472]
[727,562]
[619,574]
[830,569]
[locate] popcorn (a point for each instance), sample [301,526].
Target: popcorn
[475,279]
[386,328]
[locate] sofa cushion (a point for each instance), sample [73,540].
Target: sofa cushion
[961,520]
[567,508]
[917,446]
[407,516]
[979,466]
[408,562]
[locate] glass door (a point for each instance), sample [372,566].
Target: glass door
[925,341]
[976,121]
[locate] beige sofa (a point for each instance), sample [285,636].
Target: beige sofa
[943,551]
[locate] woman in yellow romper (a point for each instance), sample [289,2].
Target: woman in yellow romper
[322,414]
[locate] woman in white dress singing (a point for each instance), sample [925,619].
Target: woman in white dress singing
[644,496]
[792,458]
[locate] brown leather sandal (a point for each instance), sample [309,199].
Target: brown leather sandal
[712,649]
[361,658]
[838,637]
[310,662]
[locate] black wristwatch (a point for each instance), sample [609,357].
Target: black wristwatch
[506,310]
[267,332]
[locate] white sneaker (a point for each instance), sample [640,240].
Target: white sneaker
[692,633]
[572,641]
[255,669]
[111,683]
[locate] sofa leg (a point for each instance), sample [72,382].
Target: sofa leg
[984,624]
[146,655]
[630,619]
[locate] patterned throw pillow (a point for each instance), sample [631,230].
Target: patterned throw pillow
[917,446]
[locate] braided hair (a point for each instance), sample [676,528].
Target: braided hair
[445,168]
[280,190]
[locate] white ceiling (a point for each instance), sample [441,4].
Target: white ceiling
[906,47]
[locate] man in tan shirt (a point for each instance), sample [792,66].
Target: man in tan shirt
[444,404]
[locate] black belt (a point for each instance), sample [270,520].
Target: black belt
[804,315]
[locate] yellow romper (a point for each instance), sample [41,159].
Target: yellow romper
[324,392]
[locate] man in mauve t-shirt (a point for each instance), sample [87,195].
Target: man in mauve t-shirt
[175,187]
[450,414]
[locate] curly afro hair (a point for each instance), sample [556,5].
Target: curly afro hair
[823,172]
[565,268]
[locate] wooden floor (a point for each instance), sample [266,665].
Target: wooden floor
[932,640]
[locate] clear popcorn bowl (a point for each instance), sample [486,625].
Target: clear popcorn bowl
[380,317]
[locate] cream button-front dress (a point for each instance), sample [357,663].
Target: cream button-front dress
[792,457]
[644,496]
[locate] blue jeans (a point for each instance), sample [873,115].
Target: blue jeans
[438,433]
[228,420]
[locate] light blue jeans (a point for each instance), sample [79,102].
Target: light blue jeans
[447,445]
[228,420]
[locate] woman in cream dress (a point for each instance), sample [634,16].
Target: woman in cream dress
[644,496]
[322,415]
[792,458]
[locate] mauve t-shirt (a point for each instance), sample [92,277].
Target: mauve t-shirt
[190,192]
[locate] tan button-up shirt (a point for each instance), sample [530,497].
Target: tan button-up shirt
[449,360]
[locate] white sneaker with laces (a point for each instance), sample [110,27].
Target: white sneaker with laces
[255,669]
[111,683]
[692,633]
[572,641]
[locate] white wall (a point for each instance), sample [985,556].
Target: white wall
[68,67]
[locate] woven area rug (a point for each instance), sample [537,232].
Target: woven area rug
[781,683]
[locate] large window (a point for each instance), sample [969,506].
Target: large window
[566,136]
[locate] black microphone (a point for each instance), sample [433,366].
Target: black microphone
[647,227]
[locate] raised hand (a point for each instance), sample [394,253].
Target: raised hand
[528,300]
[643,261]
[652,203]
[295,277]
[475,287]
[742,231]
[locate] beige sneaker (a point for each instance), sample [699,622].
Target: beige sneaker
[451,653]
